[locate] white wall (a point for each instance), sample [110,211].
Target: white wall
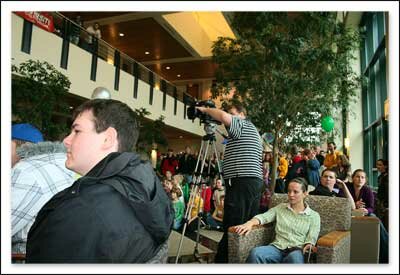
[354,128]
[47,47]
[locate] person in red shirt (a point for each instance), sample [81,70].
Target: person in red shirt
[206,196]
[169,163]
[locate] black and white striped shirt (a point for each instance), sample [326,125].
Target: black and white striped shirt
[243,152]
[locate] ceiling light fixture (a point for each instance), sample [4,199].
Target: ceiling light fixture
[178,75]
[146,53]
[168,67]
[121,34]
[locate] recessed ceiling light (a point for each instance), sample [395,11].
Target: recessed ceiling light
[178,75]
[121,34]
[146,53]
[168,67]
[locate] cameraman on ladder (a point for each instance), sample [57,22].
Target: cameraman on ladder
[242,170]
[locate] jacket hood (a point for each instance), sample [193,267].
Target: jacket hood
[34,149]
[137,182]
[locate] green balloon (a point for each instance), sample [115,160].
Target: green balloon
[327,123]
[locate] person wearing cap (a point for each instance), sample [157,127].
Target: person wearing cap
[38,173]
[22,133]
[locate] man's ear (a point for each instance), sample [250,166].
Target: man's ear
[110,139]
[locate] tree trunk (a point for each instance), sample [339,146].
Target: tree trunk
[275,150]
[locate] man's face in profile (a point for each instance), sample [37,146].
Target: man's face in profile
[84,145]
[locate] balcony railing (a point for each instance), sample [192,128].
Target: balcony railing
[82,38]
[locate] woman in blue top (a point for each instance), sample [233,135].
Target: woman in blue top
[312,167]
[296,230]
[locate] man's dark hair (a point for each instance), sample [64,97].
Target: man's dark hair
[329,170]
[294,150]
[116,114]
[333,143]
[238,106]
[306,152]
[385,163]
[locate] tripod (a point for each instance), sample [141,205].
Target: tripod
[207,140]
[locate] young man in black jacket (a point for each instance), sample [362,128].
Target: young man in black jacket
[117,212]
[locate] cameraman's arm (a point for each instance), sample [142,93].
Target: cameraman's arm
[217,114]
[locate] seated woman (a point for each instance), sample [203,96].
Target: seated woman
[215,221]
[364,201]
[167,185]
[197,204]
[176,182]
[296,230]
[363,195]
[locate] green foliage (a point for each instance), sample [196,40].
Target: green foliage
[38,91]
[150,131]
[286,68]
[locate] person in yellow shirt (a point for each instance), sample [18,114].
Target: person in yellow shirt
[332,155]
[197,203]
[282,170]
[283,165]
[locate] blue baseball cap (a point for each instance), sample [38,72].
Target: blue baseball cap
[26,132]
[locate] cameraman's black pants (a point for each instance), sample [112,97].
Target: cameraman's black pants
[242,202]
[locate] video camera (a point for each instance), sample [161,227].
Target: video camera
[193,113]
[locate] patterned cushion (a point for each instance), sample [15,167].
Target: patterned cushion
[239,246]
[335,215]
[335,212]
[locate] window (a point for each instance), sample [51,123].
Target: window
[374,93]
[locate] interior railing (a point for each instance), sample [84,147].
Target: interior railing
[79,36]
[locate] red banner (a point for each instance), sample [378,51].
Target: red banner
[41,19]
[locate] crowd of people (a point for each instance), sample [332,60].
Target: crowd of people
[331,174]
[204,198]
[97,200]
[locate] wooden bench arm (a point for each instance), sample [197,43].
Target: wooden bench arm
[332,238]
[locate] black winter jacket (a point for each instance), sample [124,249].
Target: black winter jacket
[118,213]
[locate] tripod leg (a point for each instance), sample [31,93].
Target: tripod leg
[198,158]
[201,206]
[196,248]
[218,164]
[191,201]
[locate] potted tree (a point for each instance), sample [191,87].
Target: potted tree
[288,69]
